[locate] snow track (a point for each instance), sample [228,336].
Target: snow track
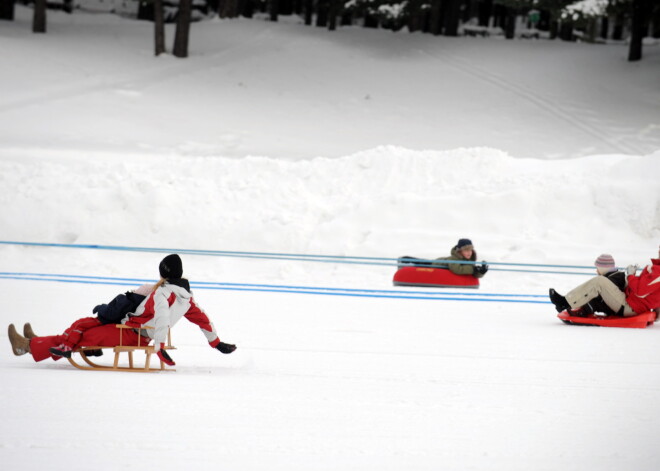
[578,118]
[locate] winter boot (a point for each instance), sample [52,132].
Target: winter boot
[588,310]
[93,353]
[559,301]
[28,333]
[19,344]
[61,351]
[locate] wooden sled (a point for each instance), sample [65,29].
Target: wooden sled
[129,349]
[640,321]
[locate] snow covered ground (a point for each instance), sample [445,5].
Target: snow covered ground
[281,138]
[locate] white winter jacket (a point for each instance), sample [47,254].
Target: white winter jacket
[163,308]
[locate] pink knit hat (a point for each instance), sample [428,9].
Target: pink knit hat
[605,261]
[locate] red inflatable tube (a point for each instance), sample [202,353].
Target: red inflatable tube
[433,277]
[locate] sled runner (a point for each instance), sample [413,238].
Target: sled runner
[128,349]
[432,277]
[639,321]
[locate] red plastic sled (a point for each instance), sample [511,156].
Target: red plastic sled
[639,321]
[434,277]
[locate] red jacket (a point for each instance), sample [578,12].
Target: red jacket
[643,290]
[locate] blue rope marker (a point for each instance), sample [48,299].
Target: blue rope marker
[383,261]
[327,291]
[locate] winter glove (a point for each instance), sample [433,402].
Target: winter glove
[631,269]
[164,356]
[480,269]
[225,348]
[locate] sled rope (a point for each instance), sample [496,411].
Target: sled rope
[357,260]
[293,289]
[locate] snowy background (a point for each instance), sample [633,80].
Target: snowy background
[282,138]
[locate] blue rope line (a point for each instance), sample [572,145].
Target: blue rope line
[330,291]
[202,284]
[295,257]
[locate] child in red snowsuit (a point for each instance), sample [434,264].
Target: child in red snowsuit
[168,301]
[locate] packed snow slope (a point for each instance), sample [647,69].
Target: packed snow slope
[281,138]
[252,87]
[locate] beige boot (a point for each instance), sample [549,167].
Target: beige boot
[28,333]
[19,344]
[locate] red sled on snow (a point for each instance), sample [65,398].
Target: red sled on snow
[640,321]
[433,277]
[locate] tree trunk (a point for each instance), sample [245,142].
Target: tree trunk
[604,27]
[638,28]
[452,17]
[246,8]
[332,14]
[617,33]
[554,29]
[591,30]
[39,18]
[274,9]
[510,30]
[656,23]
[145,11]
[309,11]
[182,34]
[284,7]
[485,10]
[7,10]
[159,28]
[566,31]
[322,13]
[436,25]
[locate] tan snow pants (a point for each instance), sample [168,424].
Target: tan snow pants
[603,287]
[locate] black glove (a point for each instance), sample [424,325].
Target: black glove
[225,348]
[481,269]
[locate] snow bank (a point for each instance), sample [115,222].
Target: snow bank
[384,202]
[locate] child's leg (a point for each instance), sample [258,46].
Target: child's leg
[74,333]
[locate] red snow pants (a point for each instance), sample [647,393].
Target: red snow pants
[74,333]
[101,336]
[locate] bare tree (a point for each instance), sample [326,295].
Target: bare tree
[641,11]
[274,9]
[182,34]
[452,17]
[309,11]
[159,27]
[436,17]
[39,18]
[333,11]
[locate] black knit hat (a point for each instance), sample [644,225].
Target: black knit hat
[464,244]
[171,267]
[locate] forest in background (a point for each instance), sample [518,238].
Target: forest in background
[569,20]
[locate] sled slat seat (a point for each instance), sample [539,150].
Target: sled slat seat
[121,348]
